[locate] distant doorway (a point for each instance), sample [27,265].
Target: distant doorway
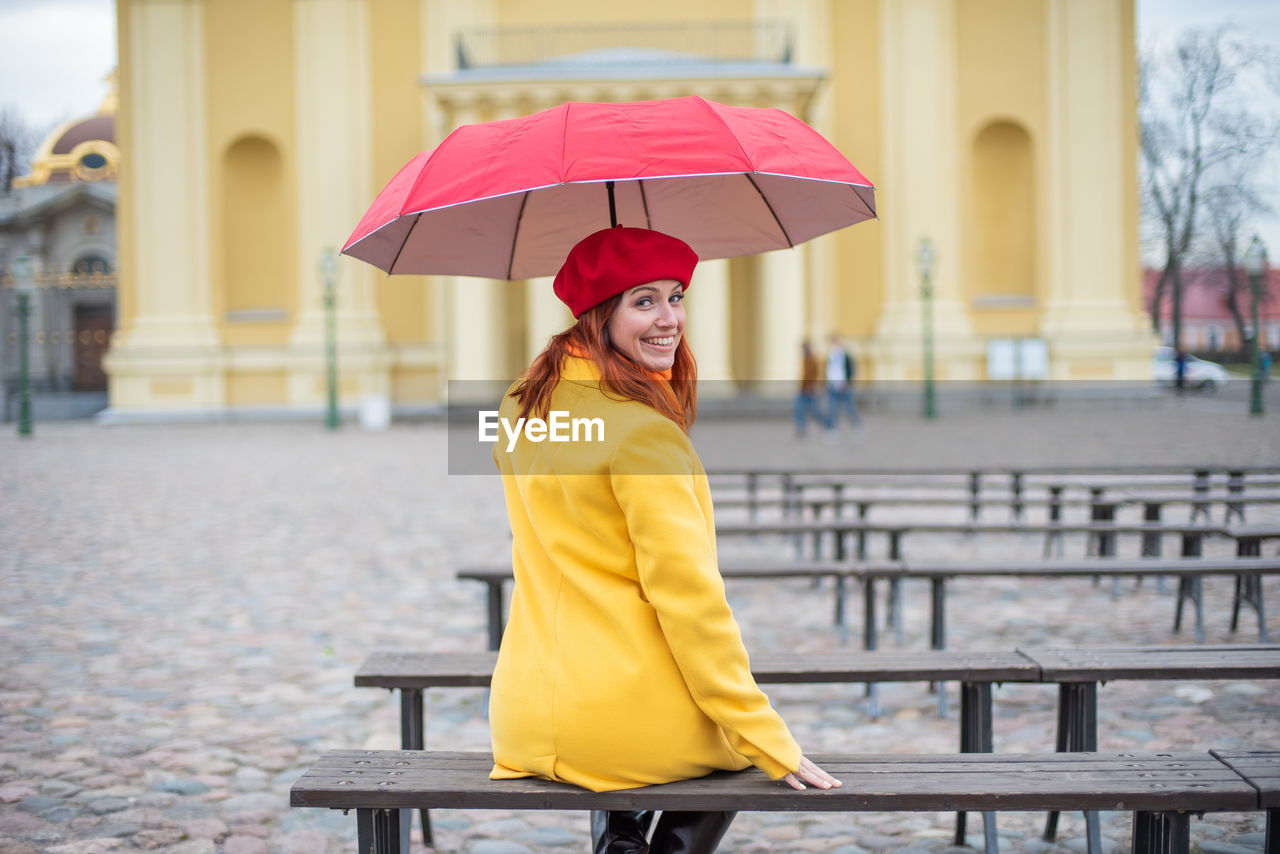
[92,336]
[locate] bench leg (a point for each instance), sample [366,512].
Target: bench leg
[413,737]
[378,831]
[895,609]
[1190,587]
[938,620]
[497,619]
[842,622]
[1077,732]
[1249,592]
[1161,833]
[1271,844]
[869,640]
[976,737]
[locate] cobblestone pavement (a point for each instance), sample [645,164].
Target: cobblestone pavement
[183,608]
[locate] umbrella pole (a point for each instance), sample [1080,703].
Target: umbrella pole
[613,209]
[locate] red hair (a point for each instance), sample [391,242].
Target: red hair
[676,398]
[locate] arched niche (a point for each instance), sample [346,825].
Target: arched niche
[256,233]
[1001,223]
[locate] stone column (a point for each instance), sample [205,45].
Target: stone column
[707,327]
[545,315]
[921,148]
[332,101]
[781,318]
[166,357]
[1093,331]
[476,313]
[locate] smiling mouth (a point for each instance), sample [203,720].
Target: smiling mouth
[660,342]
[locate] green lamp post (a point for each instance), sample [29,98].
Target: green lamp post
[329,274]
[24,281]
[1255,264]
[925,258]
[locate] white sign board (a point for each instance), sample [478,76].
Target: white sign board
[1017,359]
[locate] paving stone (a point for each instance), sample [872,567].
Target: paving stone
[59,789]
[1081,845]
[14,793]
[87,846]
[102,806]
[62,814]
[193,846]
[19,824]
[550,837]
[1217,846]
[244,845]
[181,787]
[38,803]
[120,829]
[498,846]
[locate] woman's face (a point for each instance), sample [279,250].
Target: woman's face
[648,324]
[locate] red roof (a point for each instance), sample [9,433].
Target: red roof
[1204,295]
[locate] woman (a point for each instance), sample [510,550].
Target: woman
[621,664]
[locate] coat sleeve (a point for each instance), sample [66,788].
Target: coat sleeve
[652,475]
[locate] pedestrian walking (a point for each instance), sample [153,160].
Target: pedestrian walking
[806,404]
[621,664]
[842,369]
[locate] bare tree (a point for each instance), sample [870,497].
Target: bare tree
[1230,205]
[18,141]
[1198,129]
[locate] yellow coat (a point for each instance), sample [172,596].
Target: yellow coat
[621,664]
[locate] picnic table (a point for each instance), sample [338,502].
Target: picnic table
[1077,672]
[1161,790]
[938,573]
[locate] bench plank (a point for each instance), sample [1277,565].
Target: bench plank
[1102,665]
[1261,768]
[421,670]
[891,783]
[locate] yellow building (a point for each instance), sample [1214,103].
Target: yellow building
[256,132]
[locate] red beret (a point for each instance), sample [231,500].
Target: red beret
[604,264]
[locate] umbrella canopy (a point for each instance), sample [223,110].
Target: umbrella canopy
[509,199]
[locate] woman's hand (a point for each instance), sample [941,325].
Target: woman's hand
[812,774]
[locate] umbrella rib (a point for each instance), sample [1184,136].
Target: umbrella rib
[403,243]
[515,235]
[644,202]
[772,212]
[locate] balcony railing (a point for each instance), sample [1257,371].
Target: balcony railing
[714,41]
[73,281]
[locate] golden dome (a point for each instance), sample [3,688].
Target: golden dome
[82,149]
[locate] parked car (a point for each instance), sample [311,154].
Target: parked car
[1200,373]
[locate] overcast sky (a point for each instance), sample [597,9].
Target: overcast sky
[55,54]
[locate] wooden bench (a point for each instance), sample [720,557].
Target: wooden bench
[411,673]
[1161,790]
[1077,672]
[1101,506]
[1016,482]
[1261,768]
[1187,570]
[1102,534]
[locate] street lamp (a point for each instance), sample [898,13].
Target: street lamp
[329,273]
[925,257]
[1255,264]
[24,281]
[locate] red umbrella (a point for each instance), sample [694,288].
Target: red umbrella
[508,199]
